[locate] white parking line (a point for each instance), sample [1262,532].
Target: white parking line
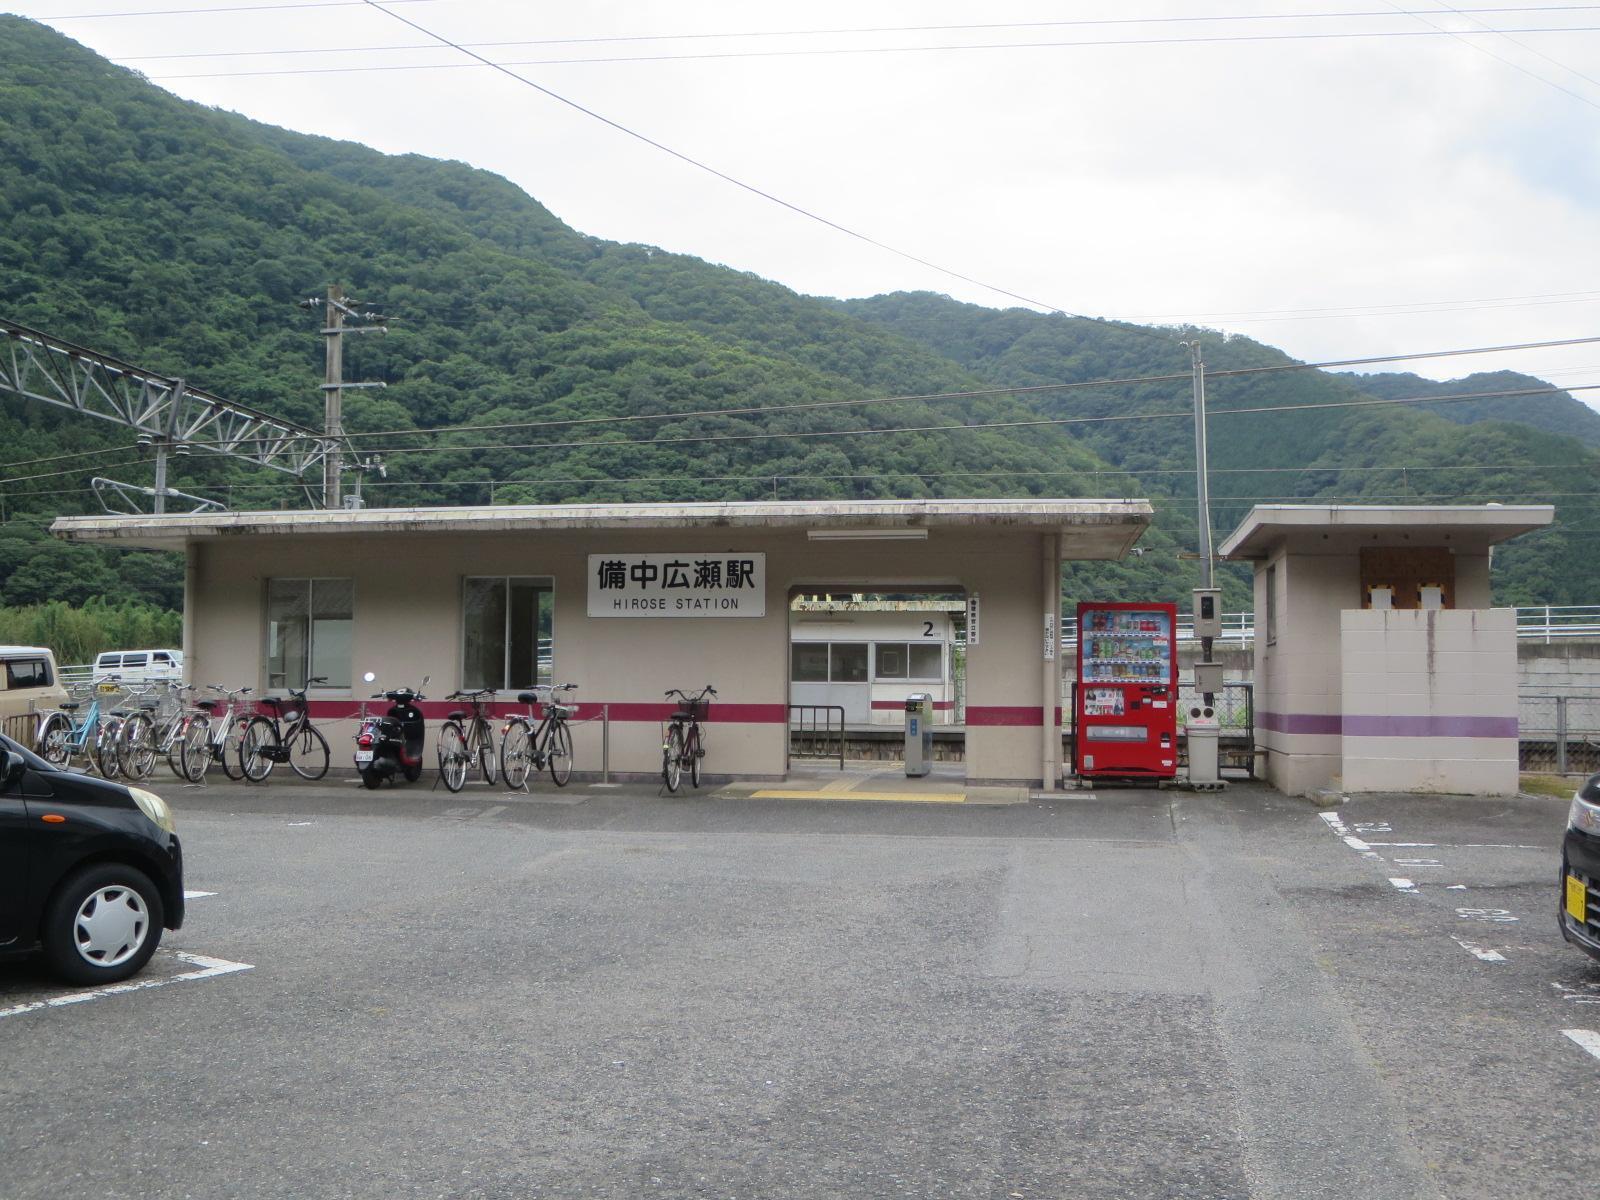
[1587,1038]
[1404,885]
[1479,952]
[207,968]
[197,895]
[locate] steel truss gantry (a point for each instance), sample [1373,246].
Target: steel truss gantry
[163,413]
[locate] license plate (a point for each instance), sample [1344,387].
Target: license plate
[363,756]
[1577,900]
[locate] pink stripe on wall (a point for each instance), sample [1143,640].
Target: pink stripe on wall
[437,710]
[1007,714]
[1357,725]
[939,705]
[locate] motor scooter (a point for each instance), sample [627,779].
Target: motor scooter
[391,744]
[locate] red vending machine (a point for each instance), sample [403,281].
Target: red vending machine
[1126,724]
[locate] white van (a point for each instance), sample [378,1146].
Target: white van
[28,683]
[139,666]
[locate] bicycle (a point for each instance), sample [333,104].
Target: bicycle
[137,743]
[63,736]
[475,743]
[227,735]
[684,745]
[526,747]
[266,742]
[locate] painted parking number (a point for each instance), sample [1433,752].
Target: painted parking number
[1494,915]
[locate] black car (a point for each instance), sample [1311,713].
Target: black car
[90,870]
[1580,870]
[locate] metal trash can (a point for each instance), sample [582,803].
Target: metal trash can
[919,733]
[1204,729]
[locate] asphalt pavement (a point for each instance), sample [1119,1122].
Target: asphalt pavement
[614,993]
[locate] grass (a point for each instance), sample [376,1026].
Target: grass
[1548,785]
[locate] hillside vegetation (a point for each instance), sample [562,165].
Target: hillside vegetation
[180,238]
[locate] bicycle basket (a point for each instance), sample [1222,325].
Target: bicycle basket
[699,710]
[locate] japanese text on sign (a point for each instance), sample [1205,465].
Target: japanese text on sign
[678,585]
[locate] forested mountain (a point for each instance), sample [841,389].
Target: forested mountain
[180,238]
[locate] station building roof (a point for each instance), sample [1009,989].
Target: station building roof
[1091,529]
[1343,528]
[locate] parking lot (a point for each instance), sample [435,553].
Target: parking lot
[612,993]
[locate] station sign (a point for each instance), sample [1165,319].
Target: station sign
[678,585]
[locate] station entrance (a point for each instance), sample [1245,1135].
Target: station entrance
[857,653]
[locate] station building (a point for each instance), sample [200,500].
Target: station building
[626,601]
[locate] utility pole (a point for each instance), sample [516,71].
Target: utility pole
[333,395]
[1202,471]
[1207,612]
[336,307]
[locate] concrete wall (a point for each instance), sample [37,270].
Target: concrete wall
[1430,701]
[408,623]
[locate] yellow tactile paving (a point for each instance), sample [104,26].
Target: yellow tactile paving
[837,793]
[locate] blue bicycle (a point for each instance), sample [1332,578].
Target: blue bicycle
[94,736]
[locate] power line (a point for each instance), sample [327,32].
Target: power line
[1420,308]
[804,435]
[190,12]
[841,51]
[1466,38]
[694,162]
[29,462]
[1185,376]
[852,31]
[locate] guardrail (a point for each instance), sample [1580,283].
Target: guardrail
[812,727]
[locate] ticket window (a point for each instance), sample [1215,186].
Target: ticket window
[1407,577]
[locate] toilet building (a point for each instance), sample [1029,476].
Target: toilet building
[628,600]
[1379,663]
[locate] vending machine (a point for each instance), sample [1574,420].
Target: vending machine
[1126,724]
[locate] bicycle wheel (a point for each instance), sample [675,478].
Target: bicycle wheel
[108,747]
[226,753]
[308,753]
[561,754]
[55,740]
[452,756]
[696,751]
[487,763]
[194,749]
[672,758]
[259,738]
[138,747]
[515,753]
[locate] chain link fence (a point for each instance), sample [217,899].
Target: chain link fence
[1559,734]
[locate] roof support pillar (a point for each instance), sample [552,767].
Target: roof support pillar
[1050,676]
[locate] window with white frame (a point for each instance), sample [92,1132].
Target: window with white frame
[508,635]
[909,661]
[309,624]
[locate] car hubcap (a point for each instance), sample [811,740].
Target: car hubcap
[111,926]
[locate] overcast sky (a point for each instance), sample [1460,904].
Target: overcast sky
[1335,196]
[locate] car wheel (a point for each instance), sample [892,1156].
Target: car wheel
[102,925]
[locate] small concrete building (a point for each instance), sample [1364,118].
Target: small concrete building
[628,600]
[1379,665]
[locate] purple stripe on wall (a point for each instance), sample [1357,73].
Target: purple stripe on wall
[1387,726]
[1435,727]
[1325,723]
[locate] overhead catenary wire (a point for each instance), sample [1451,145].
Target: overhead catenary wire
[210,9]
[798,435]
[1028,389]
[859,51]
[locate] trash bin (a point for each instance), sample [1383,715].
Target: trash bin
[1203,729]
[919,733]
